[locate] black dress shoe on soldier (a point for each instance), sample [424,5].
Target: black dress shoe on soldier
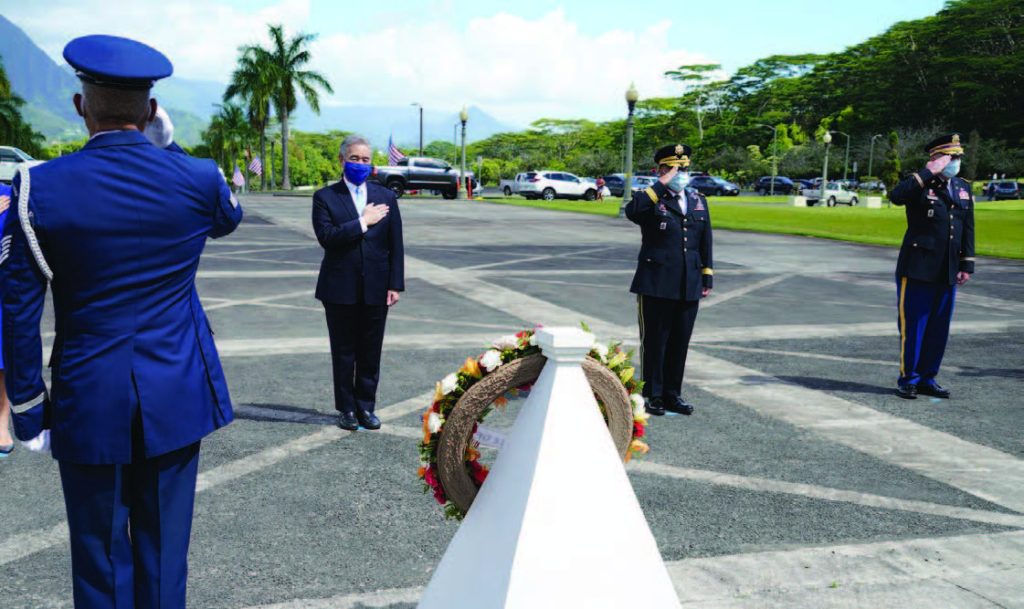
[934,390]
[368,420]
[654,406]
[679,405]
[907,392]
[347,421]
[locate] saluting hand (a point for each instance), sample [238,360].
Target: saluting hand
[374,213]
[937,164]
[665,179]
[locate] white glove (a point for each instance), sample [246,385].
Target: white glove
[160,130]
[40,443]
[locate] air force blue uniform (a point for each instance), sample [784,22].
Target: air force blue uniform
[938,244]
[118,229]
[673,267]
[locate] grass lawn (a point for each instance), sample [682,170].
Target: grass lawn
[999,226]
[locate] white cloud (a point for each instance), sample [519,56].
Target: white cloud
[516,68]
[200,38]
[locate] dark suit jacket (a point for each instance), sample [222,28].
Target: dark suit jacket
[675,255]
[358,267]
[939,241]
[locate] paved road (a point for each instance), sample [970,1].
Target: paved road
[800,481]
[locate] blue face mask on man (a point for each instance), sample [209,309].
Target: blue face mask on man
[356,173]
[679,182]
[952,169]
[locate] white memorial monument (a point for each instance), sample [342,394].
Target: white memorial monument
[556,524]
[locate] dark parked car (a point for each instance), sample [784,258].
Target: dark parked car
[419,173]
[783,185]
[801,184]
[1006,190]
[616,183]
[713,185]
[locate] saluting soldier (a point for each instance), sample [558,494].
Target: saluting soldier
[937,255]
[674,271]
[117,230]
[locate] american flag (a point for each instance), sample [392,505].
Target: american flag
[256,166]
[394,154]
[237,179]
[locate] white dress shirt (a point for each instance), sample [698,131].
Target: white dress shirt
[359,199]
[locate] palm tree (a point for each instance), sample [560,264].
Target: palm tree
[287,58]
[253,83]
[227,134]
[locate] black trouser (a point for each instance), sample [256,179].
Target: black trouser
[665,329]
[357,337]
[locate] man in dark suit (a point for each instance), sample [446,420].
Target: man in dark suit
[937,255]
[363,271]
[674,272]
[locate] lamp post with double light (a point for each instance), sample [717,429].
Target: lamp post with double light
[627,190]
[420,106]
[463,117]
[775,154]
[871,154]
[846,160]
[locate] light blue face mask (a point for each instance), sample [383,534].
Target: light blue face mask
[952,169]
[679,182]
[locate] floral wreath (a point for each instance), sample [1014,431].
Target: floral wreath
[610,360]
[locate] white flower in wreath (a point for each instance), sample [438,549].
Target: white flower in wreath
[533,339]
[602,351]
[638,404]
[434,422]
[506,342]
[449,383]
[491,360]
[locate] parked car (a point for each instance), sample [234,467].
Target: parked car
[551,185]
[713,185]
[11,159]
[419,173]
[1007,190]
[511,187]
[783,185]
[616,183]
[642,182]
[801,184]
[834,195]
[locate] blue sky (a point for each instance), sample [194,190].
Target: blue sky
[519,61]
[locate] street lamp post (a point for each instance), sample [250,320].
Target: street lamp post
[775,154]
[827,138]
[871,154]
[846,161]
[627,191]
[420,106]
[463,117]
[455,142]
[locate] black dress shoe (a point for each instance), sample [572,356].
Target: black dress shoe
[348,421]
[934,390]
[368,420]
[678,404]
[907,392]
[654,406]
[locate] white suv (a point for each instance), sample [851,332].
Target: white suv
[11,159]
[551,185]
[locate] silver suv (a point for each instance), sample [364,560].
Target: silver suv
[551,185]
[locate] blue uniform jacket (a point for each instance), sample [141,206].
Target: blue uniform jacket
[939,241]
[675,253]
[358,267]
[120,226]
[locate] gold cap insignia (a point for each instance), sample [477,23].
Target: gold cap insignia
[956,138]
[679,149]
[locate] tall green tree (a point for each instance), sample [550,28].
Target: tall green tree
[287,58]
[892,167]
[253,83]
[696,75]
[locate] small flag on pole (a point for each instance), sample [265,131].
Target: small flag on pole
[394,154]
[256,166]
[238,179]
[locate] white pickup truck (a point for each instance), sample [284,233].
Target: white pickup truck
[11,159]
[512,187]
[834,195]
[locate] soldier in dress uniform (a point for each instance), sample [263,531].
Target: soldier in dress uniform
[937,255]
[674,272]
[117,230]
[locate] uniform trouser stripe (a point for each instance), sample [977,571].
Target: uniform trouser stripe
[640,318]
[29,405]
[903,327]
